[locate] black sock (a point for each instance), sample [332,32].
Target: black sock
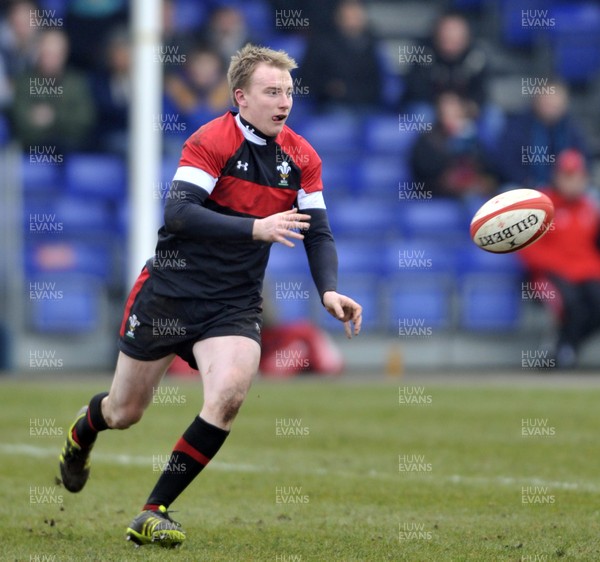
[87,428]
[198,445]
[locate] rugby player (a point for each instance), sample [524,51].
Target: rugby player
[240,186]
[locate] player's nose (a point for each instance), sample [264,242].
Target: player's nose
[285,101]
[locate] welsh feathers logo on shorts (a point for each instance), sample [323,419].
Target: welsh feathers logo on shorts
[133,324]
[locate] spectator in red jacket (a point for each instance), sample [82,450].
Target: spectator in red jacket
[567,258]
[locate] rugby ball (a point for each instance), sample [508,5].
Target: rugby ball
[512,220]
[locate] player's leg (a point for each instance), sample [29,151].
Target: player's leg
[572,323]
[132,389]
[591,292]
[129,396]
[227,365]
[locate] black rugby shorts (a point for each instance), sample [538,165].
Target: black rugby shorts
[155,326]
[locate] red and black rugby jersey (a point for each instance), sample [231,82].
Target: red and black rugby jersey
[243,174]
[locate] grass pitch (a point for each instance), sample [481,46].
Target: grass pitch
[319,471]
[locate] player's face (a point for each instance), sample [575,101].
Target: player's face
[571,185]
[267,101]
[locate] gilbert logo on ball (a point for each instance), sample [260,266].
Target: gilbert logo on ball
[512,220]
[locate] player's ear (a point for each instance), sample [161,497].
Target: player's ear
[240,98]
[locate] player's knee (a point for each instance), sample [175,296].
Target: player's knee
[226,407]
[124,417]
[231,406]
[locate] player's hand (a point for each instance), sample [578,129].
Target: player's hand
[345,310]
[281,226]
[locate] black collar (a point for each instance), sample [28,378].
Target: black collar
[254,130]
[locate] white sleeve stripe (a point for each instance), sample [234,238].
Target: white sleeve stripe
[310,200]
[196,176]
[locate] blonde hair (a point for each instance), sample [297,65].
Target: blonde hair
[244,62]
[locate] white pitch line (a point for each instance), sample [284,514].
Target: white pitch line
[138,460]
[122,459]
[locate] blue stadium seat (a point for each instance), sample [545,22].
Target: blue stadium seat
[67,305]
[575,16]
[577,55]
[332,133]
[122,220]
[80,216]
[99,175]
[514,33]
[168,167]
[41,177]
[59,7]
[284,260]
[93,259]
[473,203]
[475,260]
[420,301]
[381,176]
[259,16]
[293,44]
[4,130]
[437,218]
[292,295]
[67,216]
[392,87]
[363,217]
[339,175]
[421,255]
[359,256]
[382,135]
[302,110]
[490,301]
[575,40]
[190,14]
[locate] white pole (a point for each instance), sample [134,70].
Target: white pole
[145,146]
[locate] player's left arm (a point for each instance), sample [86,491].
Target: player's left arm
[320,247]
[323,261]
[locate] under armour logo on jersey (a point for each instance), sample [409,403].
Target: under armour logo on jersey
[242,165]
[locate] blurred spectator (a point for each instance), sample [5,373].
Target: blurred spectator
[18,36]
[17,45]
[341,68]
[88,23]
[111,88]
[318,12]
[226,31]
[450,159]
[453,61]
[6,89]
[197,94]
[532,139]
[457,64]
[176,43]
[52,104]
[565,262]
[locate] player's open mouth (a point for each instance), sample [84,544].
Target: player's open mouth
[281,117]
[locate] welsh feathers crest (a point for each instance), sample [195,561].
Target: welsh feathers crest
[284,171]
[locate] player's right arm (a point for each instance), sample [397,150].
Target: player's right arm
[187,216]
